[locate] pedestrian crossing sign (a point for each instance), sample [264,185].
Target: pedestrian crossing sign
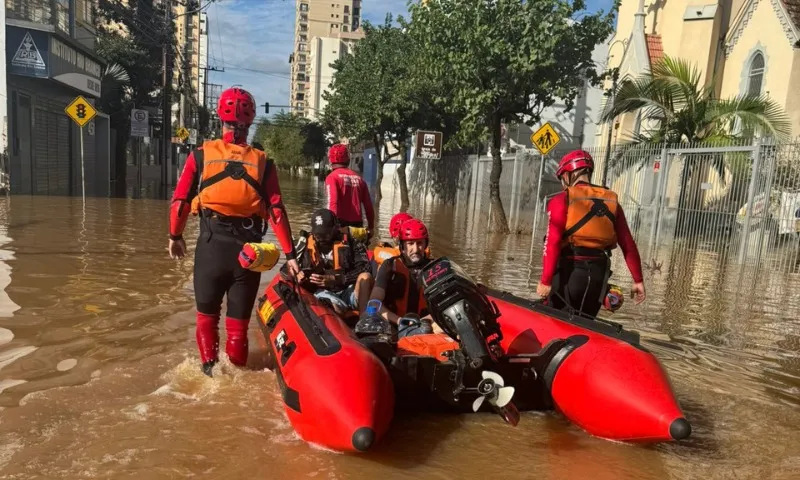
[80,111]
[545,139]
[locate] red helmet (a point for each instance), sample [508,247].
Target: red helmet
[413,229]
[396,222]
[236,106]
[575,160]
[338,154]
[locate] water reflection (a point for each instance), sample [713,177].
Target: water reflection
[95,304]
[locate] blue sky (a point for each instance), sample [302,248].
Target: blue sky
[252,40]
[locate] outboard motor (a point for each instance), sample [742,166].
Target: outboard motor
[463,311]
[459,307]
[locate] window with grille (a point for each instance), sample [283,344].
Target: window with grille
[756,75]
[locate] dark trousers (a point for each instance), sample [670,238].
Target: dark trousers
[217,271]
[579,285]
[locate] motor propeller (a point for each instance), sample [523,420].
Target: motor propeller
[492,388]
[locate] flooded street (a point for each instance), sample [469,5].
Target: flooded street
[100,377]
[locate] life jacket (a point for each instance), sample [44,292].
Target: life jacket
[404,295]
[591,218]
[342,255]
[384,251]
[230,179]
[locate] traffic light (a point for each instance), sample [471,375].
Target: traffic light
[266,107]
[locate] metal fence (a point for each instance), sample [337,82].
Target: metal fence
[740,201]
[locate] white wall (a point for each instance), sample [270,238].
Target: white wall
[203,53]
[579,126]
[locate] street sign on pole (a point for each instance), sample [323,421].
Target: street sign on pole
[81,112]
[140,123]
[545,139]
[428,145]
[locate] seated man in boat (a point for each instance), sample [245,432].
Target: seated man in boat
[586,223]
[403,303]
[386,250]
[334,266]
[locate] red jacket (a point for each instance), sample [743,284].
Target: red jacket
[557,213]
[347,192]
[186,190]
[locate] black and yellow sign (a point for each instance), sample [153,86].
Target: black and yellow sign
[545,139]
[80,111]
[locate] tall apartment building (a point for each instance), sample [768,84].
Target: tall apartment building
[186,71]
[324,19]
[319,72]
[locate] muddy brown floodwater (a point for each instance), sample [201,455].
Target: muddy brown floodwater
[99,372]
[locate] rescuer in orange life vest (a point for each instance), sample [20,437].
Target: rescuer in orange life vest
[334,266]
[386,250]
[396,284]
[234,188]
[586,222]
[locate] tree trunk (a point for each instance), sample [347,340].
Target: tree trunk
[379,148]
[123,132]
[378,181]
[498,213]
[401,175]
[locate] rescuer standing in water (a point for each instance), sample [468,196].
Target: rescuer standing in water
[586,222]
[234,189]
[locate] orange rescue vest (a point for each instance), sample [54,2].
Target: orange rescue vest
[404,295]
[384,251]
[342,255]
[230,179]
[591,217]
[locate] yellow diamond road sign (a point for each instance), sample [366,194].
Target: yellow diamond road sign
[80,111]
[545,139]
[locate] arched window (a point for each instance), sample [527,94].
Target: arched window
[756,75]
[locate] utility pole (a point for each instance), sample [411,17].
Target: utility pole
[166,124]
[205,84]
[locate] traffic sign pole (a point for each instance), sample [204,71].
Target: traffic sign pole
[81,112]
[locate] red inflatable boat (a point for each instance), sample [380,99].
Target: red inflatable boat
[340,387]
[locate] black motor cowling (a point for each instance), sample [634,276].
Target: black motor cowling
[464,313]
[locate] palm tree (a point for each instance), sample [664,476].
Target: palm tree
[687,111]
[673,98]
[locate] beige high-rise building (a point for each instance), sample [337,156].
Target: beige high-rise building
[319,21]
[186,68]
[322,53]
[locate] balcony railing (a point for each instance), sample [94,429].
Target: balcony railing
[46,12]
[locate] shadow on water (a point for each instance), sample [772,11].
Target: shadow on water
[409,442]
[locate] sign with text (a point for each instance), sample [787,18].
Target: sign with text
[545,139]
[26,52]
[140,124]
[428,145]
[74,68]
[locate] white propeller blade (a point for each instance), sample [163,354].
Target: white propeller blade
[496,378]
[476,405]
[503,397]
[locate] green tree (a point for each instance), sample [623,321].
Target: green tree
[505,61]
[292,140]
[376,96]
[139,53]
[673,99]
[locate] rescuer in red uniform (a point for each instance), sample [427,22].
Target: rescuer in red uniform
[586,222]
[234,189]
[347,192]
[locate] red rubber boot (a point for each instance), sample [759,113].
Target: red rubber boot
[207,334]
[236,346]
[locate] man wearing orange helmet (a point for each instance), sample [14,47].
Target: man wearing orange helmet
[234,189]
[347,192]
[396,286]
[586,222]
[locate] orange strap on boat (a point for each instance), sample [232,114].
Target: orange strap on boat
[427,345]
